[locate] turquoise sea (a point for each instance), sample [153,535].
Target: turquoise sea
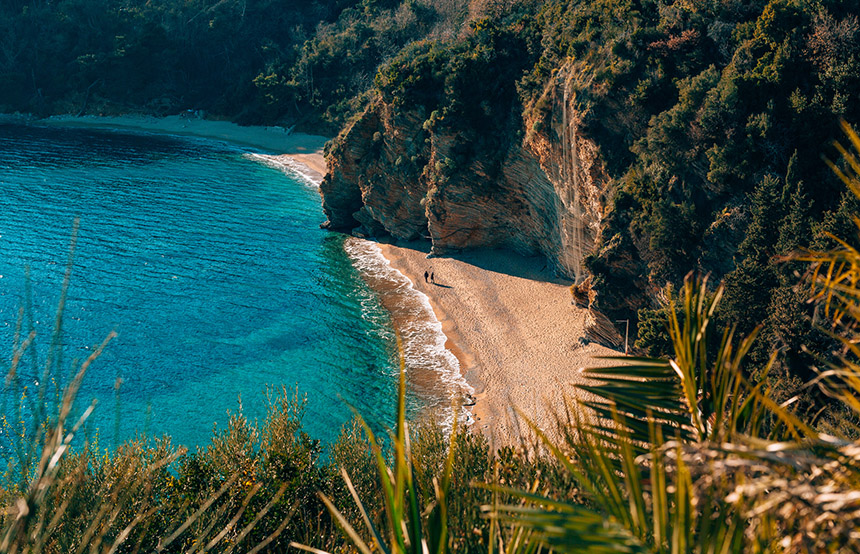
[209,264]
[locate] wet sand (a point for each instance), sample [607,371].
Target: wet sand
[433,370]
[511,324]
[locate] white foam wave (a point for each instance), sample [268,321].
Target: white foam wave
[287,165]
[421,332]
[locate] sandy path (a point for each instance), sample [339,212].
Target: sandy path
[513,327]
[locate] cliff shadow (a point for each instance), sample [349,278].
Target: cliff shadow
[508,262]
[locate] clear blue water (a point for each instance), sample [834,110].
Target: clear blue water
[211,268]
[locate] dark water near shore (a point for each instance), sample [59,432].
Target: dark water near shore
[211,268]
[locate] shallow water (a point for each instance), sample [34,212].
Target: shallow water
[434,372]
[211,268]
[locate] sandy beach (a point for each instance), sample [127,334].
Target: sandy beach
[303,148]
[511,324]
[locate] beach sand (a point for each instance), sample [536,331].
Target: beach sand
[511,324]
[303,148]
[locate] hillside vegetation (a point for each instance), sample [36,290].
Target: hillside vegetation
[254,61]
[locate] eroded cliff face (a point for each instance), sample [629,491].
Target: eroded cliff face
[412,174]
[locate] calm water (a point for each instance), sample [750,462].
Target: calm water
[209,265]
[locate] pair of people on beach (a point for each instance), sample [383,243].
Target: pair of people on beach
[432,277]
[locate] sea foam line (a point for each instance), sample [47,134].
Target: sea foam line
[288,165]
[423,338]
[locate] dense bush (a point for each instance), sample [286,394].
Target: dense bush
[260,62]
[250,486]
[257,62]
[253,488]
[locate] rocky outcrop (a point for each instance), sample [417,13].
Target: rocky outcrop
[411,174]
[599,329]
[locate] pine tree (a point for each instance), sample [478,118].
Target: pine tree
[748,288]
[794,229]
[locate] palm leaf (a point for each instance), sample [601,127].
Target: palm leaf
[696,395]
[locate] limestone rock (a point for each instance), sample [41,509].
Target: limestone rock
[546,193]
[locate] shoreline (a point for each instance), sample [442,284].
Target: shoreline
[433,367]
[511,324]
[303,148]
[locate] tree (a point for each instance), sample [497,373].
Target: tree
[748,287]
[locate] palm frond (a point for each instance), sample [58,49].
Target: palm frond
[695,395]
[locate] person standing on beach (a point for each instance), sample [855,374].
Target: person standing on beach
[425,276]
[432,279]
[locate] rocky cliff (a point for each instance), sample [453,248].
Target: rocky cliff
[411,174]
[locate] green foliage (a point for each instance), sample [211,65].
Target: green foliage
[652,335]
[748,287]
[469,84]
[697,107]
[255,62]
[243,491]
[336,66]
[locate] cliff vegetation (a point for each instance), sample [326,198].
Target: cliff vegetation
[255,62]
[626,141]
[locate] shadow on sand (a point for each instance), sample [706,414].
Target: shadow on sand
[534,268]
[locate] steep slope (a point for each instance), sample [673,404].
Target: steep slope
[393,172]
